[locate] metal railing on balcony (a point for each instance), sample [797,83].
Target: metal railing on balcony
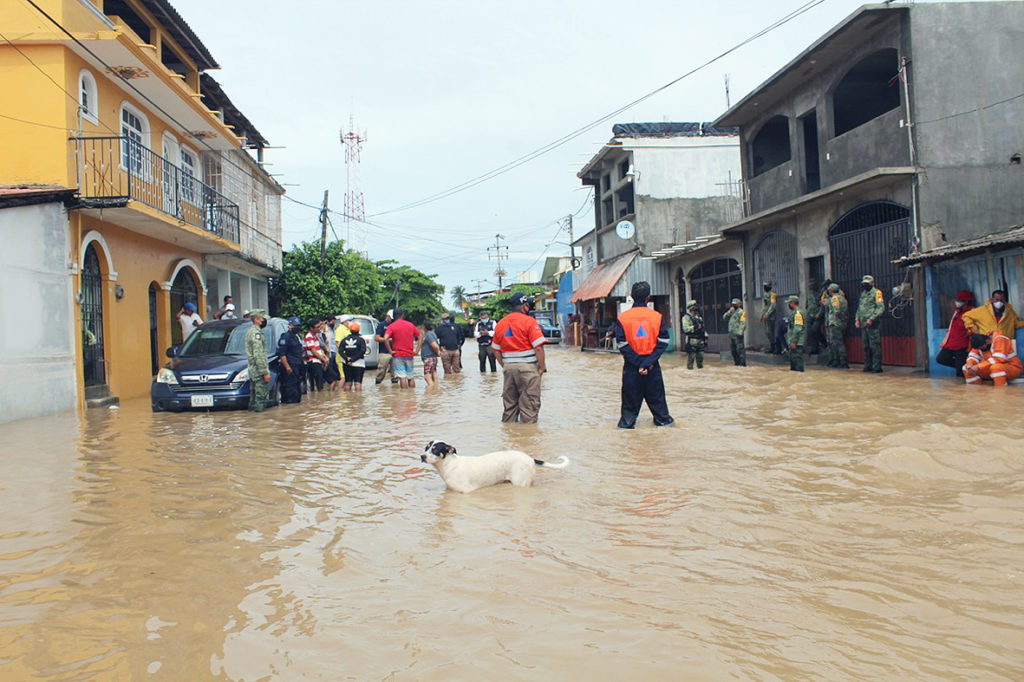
[113,170]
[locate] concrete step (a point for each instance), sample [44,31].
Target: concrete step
[99,396]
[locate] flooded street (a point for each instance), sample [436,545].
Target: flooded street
[830,525]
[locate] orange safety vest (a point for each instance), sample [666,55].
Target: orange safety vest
[642,326]
[1002,350]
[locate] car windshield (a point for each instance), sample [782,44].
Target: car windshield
[215,340]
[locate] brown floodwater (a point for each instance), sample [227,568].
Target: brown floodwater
[826,525]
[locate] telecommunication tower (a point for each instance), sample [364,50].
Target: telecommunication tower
[355,208]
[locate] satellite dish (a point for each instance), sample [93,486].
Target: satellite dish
[625,229]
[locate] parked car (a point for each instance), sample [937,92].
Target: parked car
[552,332]
[367,327]
[210,370]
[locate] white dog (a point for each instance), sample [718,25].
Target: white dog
[466,474]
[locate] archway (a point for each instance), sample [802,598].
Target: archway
[714,284]
[93,354]
[184,289]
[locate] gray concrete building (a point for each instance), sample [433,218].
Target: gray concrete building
[897,132]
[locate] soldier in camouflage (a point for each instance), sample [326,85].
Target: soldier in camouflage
[259,370]
[736,317]
[796,335]
[837,314]
[869,310]
[769,300]
[696,336]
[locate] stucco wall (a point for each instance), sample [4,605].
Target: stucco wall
[37,349]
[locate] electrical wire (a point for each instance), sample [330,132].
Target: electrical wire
[971,111]
[526,158]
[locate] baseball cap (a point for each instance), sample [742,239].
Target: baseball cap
[346,318]
[191,307]
[390,313]
[793,299]
[737,301]
[295,321]
[520,298]
[258,312]
[867,279]
[833,287]
[691,304]
[354,327]
[965,295]
[229,306]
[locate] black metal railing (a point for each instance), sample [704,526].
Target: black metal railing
[113,170]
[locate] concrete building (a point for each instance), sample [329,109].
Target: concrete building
[655,185]
[892,134]
[110,98]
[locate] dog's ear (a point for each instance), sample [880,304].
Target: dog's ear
[429,445]
[452,450]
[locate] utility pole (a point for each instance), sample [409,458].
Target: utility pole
[572,249]
[478,283]
[498,255]
[323,235]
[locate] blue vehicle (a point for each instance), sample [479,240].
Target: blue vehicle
[546,320]
[210,369]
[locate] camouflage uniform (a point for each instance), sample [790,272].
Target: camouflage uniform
[737,319]
[814,310]
[870,309]
[836,317]
[256,351]
[796,336]
[696,336]
[769,299]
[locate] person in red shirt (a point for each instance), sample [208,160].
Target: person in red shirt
[641,336]
[402,339]
[954,347]
[518,345]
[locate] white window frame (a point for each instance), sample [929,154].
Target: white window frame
[143,135]
[191,173]
[88,93]
[170,151]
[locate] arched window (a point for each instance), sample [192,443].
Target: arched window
[88,99]
[714,283]
[770,147]
[867,91]
[135,130]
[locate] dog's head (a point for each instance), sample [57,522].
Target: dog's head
[436,451]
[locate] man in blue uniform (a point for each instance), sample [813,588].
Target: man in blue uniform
[290,350]
[641,336]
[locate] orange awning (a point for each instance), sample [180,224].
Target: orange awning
[602,280]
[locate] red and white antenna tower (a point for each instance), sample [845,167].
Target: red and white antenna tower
[355,208]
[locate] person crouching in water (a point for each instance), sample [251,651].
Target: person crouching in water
[353,352]
[992,357]
[642,337]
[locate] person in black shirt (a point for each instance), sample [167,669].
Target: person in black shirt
[290,350]
[450,337]
[484,333]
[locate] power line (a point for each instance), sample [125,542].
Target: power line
[971,111]
[515,163]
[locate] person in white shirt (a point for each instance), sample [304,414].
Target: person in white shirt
[189,319]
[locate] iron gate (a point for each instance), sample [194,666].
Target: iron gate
[775,261]
[865,242]
[93,366]
[183,290]
[713,285]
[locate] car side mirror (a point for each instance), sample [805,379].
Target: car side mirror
[171,352]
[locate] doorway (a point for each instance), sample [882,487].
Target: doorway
[183,290]
[153,354]
[93,359]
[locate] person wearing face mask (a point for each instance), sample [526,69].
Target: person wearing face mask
[996,314]
[796,334]
[992,357]
[869,310]
[953,352]
[290,350]
[769,303]
[259,368]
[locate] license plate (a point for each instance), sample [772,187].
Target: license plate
[202,401]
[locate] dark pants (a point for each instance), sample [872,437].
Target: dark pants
[291,386]
[815,337]
[953,358]
[779,344]
[796,359]
[487,353]
[636,388]
[739,351]
[695,351]
[871,337]
[315,375]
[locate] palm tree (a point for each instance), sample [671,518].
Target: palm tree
[458,293]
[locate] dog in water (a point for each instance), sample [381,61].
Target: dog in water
[466,474]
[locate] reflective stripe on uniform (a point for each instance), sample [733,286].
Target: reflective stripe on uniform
[972,380]
[998,374]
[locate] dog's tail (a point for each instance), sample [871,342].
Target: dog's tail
[562,462]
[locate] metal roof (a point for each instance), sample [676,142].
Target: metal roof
[215,98]
[27,196]
[1012,237]
[692,245]
[182,33]
[603,279]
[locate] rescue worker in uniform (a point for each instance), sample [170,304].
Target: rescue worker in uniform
[736,317]
[259,369]
[869,310]
[769,302]
[642,337]
[992,357]
[696,336]
[837,315]
[796,334]
[518,345]
[290,350]
[484,333]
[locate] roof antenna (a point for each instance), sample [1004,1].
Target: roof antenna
[727,103]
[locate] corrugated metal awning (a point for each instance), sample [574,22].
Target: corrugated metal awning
[643,269]
[603,279]
[1012,237]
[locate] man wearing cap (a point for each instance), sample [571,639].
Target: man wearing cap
[769,302]
[189,319]
[450,338]
[953,352]
[484,334]
[869,310]
[259,370]
[696,336]
[290,351]
[796,334]
[641,336]
[519,348]
[736,318]
[385,361]
[837,315]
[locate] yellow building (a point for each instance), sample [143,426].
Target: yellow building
[110,98]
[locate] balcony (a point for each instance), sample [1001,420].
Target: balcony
[115,172]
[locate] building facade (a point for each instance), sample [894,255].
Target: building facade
[110,98]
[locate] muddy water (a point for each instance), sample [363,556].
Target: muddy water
[824,526]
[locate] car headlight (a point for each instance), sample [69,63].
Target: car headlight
[166,376]
[241,376]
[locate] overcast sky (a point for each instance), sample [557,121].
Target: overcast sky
[449,89]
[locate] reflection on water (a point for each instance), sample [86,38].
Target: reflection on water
[827,525]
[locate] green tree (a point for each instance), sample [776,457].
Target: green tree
[458,293]
[418,294]
[349,283]
[498,305]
